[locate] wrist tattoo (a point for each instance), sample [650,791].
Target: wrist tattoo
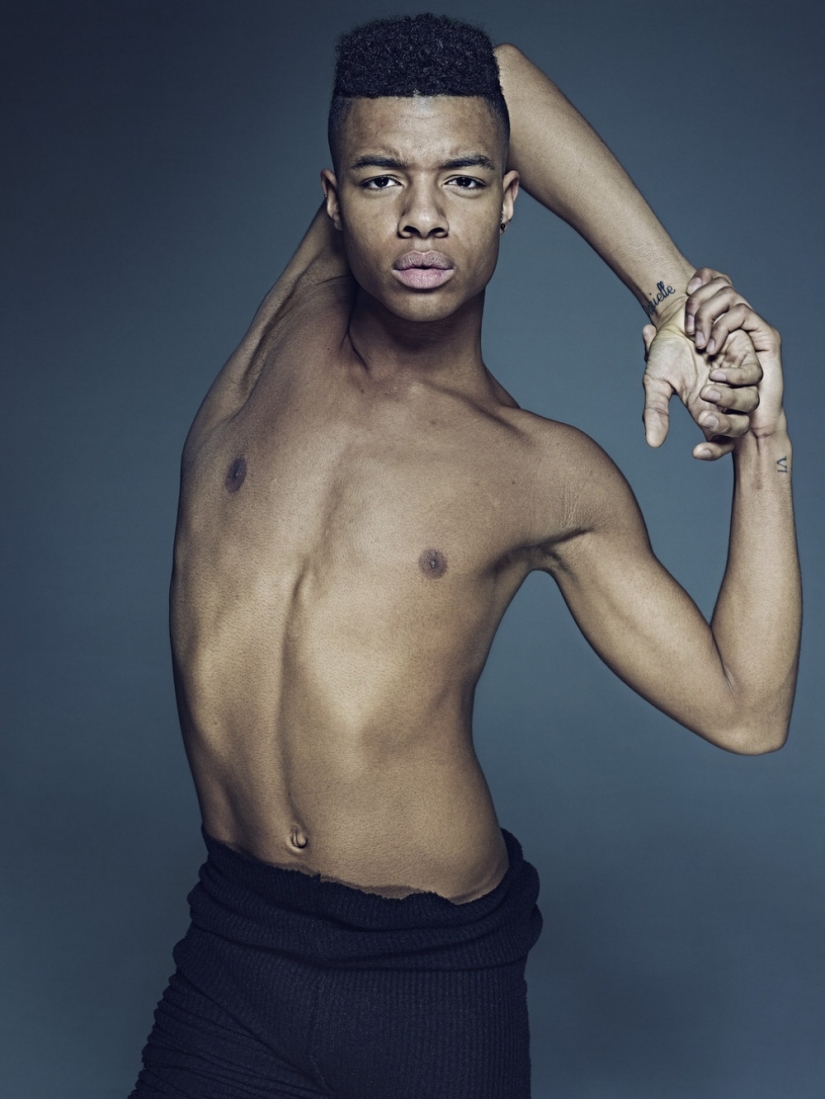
[781,465]
[654,300]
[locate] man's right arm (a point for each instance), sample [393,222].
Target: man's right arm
[319,271]
[319,259]
[564,164]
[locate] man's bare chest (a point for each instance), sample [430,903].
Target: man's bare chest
[434,486]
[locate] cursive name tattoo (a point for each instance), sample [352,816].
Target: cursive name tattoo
[781,465]
[654,300]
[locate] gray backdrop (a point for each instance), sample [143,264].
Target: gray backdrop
[162,160]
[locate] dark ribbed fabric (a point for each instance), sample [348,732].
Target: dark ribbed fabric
[290,986]
[327,923]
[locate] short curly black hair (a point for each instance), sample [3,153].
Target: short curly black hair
[414,55]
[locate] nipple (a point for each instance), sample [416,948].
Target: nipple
[298,838]
[236,474]
[432,563]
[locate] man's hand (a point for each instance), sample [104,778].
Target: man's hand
[716,315]
[708,361]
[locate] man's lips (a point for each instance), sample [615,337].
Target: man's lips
[422,259]
[423,270]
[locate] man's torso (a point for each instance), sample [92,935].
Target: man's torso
[346,548]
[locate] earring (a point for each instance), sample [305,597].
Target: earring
[503,226]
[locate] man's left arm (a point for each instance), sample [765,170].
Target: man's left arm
[731,680]
[564,164]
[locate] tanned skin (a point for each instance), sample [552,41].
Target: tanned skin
[361,500]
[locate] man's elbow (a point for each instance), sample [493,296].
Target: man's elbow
[506,50]
[751,723]
[756,738]
[509,59]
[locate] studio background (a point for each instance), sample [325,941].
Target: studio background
[161,162]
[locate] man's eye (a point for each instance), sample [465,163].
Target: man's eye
[467,183]
[377,183]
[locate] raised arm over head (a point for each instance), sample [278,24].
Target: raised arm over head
[563,163]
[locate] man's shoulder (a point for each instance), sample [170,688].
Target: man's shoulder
[561,446]
[573,482]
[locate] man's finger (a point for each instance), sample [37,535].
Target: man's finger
[704,283]
[712,302]
[743,399]
[703,275]
[743,376]
[737,363]
[711,450]
[726,425]
[724,325]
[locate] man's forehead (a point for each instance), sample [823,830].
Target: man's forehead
[445,127]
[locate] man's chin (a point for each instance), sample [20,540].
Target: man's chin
[424,306]
[423,312]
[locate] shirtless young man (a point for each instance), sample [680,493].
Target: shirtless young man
[360,502]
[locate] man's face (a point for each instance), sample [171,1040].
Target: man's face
[420,197]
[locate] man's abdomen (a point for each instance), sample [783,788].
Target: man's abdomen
[393,814]
[325,738]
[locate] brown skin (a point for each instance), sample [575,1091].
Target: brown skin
[463,210]
[566,167]
[361,500]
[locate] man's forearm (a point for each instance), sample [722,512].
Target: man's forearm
[566,166]
[756,622]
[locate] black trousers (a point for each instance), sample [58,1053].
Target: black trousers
[289,986]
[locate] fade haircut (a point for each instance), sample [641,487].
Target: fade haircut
[414,55]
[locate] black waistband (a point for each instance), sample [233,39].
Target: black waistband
[258,905]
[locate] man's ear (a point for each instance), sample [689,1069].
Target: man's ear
[510,184]
[330,185]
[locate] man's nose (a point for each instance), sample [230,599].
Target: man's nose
[423,214]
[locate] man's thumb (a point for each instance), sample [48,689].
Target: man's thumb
[656,412]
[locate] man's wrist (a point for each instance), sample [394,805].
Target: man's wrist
[670,312]
[664,304]
[778,431]
[664,300]
[771,446]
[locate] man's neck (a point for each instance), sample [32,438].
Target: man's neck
[392,347]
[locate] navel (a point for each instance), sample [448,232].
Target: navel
[298,838]
[236,475]
[432,563]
